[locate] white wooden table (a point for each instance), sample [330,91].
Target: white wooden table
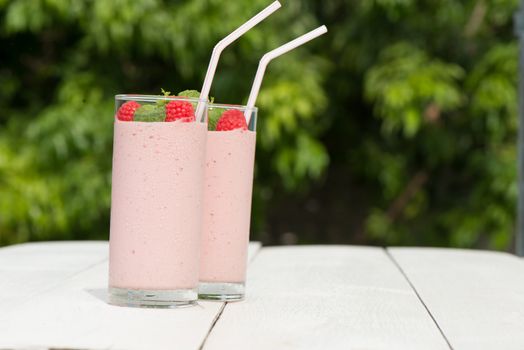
[53,296]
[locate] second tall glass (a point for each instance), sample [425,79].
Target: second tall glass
[228,188]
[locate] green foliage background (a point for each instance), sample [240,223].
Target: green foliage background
[398,127]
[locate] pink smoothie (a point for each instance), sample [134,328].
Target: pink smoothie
[228,188]
[156,205]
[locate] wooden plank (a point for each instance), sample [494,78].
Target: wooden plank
[29,269]
[325,297]
[76,315]
[52,256]
[253,249]
[17,287]
[476,297]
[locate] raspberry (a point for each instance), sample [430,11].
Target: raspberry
[180,110]
[127,111]
[231,120]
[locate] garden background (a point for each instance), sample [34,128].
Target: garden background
[398,127]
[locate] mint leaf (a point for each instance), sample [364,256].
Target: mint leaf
[213,115]
[150,113]
[189,93]
[194,94]
[162,103]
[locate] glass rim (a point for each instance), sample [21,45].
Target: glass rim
[154,98]
[232,106]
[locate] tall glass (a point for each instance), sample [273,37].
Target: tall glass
[228,188]
[156,206]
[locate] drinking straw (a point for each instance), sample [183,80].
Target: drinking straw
[264,61]
[222,44]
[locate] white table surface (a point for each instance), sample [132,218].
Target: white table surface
[53,296]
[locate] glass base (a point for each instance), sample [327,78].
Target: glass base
[161,299]
[221,291]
